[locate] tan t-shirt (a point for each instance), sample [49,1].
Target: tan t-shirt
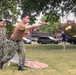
[18,32]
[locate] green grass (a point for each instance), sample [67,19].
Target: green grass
[59,62]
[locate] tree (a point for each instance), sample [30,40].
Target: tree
[9,12]
[9,9]
[50,6]
[53,21]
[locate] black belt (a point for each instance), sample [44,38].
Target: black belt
[16,40]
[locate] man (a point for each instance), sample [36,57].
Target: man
[16,43]
[63,40]
[3,41]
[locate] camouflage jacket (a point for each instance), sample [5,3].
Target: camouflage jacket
[3,35]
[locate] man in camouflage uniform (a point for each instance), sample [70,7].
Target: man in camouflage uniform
[16,43]
[3,41]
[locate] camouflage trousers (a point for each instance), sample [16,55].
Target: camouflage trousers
[3,47]
[1,51]
[14,47]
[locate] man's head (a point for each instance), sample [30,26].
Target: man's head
[1,23]
[25,17]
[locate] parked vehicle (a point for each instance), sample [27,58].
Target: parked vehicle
[27,41]
[71,40]
[47,40]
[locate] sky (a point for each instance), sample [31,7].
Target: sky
[69,16]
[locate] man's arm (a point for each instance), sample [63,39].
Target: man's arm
[35,26]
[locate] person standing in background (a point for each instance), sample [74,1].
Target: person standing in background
[63,40]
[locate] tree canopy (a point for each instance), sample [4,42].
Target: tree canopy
[48,6]
[53,23]
[9,10]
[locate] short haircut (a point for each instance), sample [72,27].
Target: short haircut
[24,15]
[1,20]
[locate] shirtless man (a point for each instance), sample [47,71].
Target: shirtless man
[16,43]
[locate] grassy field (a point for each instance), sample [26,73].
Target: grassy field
[60,62]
